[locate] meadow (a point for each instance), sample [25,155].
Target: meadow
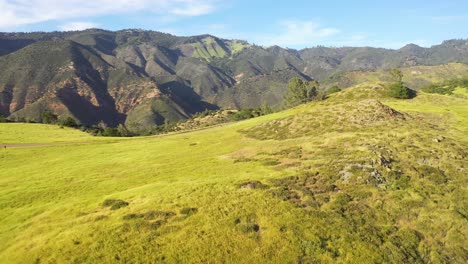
[345,180]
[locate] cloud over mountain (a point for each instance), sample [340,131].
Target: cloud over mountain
[23,12]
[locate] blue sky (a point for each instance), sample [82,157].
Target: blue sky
[293,24]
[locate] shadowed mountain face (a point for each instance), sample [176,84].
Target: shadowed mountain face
[142,78]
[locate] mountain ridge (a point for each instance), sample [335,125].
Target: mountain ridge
[164,78]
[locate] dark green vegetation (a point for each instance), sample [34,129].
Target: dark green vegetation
[446,87]
[146,78]
[333,89]
[397,88]
[300,92]
[114,204]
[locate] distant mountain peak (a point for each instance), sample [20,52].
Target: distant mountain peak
[411,46]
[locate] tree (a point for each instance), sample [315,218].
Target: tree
[300,91]
[266,109]
[400,91]
[397,75]
[48,117]
[69,122]
[397,89]
[110,132]
[123,131]
[244,114]
[102,125]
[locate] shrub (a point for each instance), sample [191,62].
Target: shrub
[270,162]
[398,90]
[119,204]
[340,203]
[246,114]
[123,131]
[253,185]
[333,89]
[110,132]
[48,117]
[115,204]
[188,210]
[266,109]
[150,215]
[446,87]
[300,91]
[248,228]
[204,113]
[438,89]
[3,119]
[132,216]
[68,122]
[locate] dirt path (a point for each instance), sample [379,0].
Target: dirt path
[36,145]
[3,146]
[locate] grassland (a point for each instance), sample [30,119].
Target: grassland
[414,77]
[209,48]
[388,184]
[23,133]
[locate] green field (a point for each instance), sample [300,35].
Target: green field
[415,77]
[345,180]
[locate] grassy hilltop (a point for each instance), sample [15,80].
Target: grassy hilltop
[357,178]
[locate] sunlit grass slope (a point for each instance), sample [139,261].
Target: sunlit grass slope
[414,77]
[23,133]
[345,180]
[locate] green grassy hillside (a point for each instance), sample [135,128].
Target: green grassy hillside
[414,77]
[357,178]
[24,133]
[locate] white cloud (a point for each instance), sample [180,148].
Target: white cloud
[15,13]
[77,26]
[297,33]
[193,8]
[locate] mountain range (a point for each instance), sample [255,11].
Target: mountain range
[142,78]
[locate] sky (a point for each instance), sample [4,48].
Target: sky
[292,24]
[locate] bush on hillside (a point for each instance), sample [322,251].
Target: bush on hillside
[333,89]
[398,90]
[438,89]
[246,114]
[111,132]
[123,131]
[68,122]
[48,117]
[446,87]
[204,113]
[3,119]
[188,210]
[266,109]
[300,92]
